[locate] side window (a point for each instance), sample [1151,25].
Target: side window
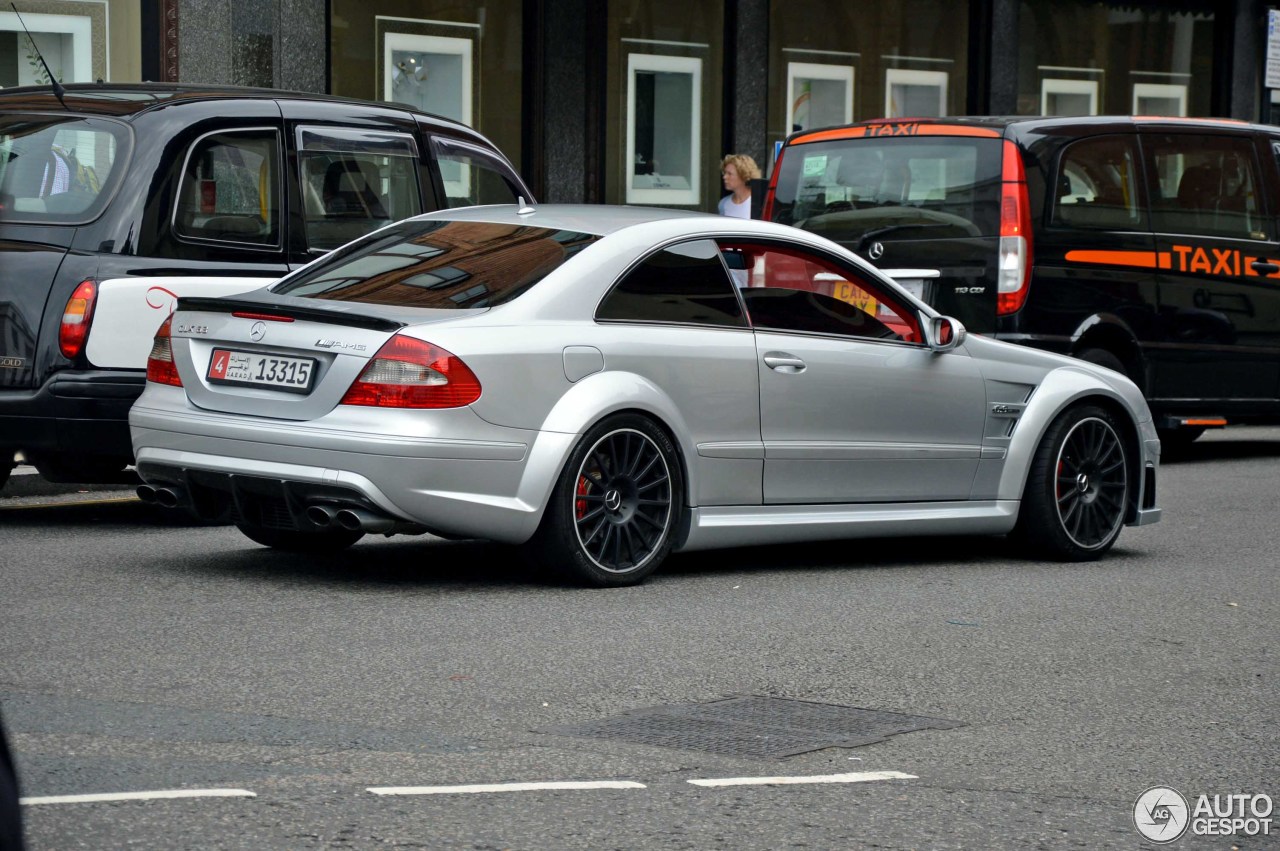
[1098,186]
[354,182]
[473,176]
[684,284]
[1204,184]
[791,290]
[230,189]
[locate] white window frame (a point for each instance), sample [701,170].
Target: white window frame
[438,44]
[913,77]
[692,66]
[1057,86]
[797,71]
[1167,91]
[79,27]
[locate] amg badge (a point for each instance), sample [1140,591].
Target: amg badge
[339,344]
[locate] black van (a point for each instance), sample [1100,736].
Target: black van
[1148,245]
[117,199]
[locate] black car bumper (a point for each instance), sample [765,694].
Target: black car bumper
[83,413]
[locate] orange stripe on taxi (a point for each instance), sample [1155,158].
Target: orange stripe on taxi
[895,128]
[1142,259]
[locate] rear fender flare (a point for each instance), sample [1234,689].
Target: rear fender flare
[586,403]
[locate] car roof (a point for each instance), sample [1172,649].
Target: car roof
[127,100]
[996,125]
[596,219]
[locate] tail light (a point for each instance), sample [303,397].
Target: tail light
[409,373]
[76,318]
[160,366]
[1013,273]
[767,212]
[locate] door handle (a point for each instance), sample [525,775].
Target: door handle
[1265,267]
[783,362]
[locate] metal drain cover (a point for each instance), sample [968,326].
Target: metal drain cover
[754,726]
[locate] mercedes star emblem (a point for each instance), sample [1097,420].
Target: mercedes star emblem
[876,251]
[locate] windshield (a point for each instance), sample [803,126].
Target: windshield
[897,187]
[439,264]
[59,169]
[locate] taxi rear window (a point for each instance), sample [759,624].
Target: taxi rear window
[901,187]
[438,264]
[58,169]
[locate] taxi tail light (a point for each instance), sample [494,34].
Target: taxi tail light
[1013,274]
[77,316]
[160,366]
[767,212]
[411,373]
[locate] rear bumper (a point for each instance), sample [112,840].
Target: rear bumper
[491,483]
[85,412]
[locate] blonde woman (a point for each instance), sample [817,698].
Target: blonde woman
[737,171]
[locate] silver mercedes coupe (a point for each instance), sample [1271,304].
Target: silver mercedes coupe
[607,385]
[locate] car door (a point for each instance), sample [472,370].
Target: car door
[1219,278]
[854,407]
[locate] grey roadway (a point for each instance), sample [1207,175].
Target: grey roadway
[138,652]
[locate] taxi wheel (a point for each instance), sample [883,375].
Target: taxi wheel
[1102,357]
[326,540]
[1077,492]
[613,513]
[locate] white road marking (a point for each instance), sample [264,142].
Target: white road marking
[853,777]
[138,796]
[505,787]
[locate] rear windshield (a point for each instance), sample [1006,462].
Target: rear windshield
[439,264]
[57,168]
[892,187]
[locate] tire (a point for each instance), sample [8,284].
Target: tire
[1078,488]
[1102,357]
[613,512]
[325,540]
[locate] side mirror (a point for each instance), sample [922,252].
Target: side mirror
[944,333]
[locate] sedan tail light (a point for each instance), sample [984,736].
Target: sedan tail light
[160,366]
[76,318]
[410,373]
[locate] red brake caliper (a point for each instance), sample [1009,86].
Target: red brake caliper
[580,505]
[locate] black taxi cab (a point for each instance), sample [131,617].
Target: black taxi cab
[115,200]
[1147,245]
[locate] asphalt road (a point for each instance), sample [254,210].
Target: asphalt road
[139,653]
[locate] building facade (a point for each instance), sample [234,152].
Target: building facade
[636,101]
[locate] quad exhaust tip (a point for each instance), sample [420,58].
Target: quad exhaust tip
[165,497]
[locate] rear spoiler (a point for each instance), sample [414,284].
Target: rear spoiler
[309,314]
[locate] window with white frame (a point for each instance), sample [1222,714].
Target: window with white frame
[664,129]
[909,92]
[818,95]
[1068,97]
[429,72]
[64,41]
[1159,99]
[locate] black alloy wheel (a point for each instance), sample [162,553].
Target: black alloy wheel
[1078,489]
[613,512]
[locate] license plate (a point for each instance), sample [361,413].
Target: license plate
[915,286]
[255,369]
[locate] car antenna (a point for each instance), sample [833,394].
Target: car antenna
[58,90]
[523,207]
